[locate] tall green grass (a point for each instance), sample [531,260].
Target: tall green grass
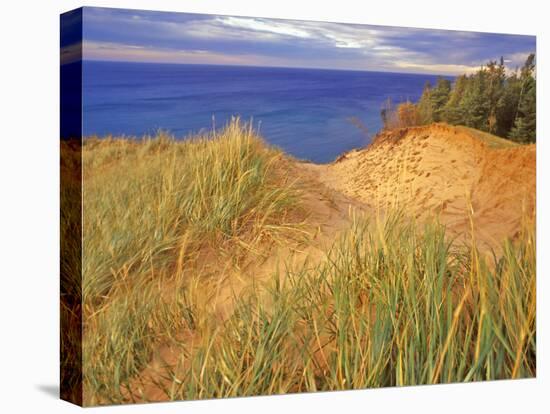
[149,208]
[392,305]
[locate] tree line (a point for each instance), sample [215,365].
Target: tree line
[489,100]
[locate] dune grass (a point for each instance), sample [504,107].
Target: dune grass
[70,308]
[149,208]
[393,302]
[391,305]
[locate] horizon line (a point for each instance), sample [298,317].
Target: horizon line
[265,66]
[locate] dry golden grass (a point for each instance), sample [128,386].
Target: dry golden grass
[150,208]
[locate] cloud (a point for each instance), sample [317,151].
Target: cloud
[262,41]
[516,60]
[135,53]
[71,53]
[276,28]
[444,69]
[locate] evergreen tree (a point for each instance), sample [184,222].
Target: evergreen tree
[508,104]
[496,77]
[439,97]
[453,112]
[525,124]
[425,108]
[476,103]
[488,100]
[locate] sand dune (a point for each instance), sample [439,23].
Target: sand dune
[454,172]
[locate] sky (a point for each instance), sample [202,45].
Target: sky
[148,36]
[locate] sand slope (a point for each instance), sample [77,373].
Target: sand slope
[455,172]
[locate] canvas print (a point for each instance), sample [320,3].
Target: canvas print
[255,206]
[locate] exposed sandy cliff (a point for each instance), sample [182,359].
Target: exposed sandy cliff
[454,171]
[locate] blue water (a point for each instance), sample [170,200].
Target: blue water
[306,112]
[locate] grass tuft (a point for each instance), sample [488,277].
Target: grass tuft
[392,305]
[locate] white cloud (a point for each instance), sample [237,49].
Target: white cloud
[447,69]
[131,53]
[516,60]
[269,26]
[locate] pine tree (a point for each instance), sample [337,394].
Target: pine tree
[488,100]
[439,97]
[496,77]
[508,104]
[453,112]
[475,103]
[525,124]
[424,105]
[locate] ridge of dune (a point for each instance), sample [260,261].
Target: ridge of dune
[443,170]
